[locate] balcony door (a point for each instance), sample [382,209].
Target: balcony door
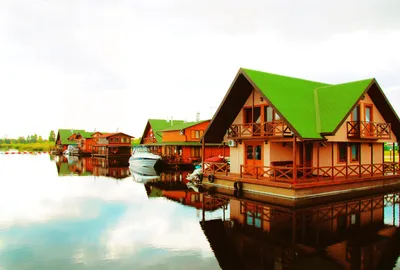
[369,128]
[253,156]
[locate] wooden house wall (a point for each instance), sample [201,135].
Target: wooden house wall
[173,136]
[341,134]
[201,127]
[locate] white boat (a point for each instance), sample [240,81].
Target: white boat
[142,157]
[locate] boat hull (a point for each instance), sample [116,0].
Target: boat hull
[143,162]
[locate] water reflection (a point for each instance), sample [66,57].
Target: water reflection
[78,222]
[117,168]
[360,233]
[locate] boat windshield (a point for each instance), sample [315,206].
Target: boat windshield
[142,150]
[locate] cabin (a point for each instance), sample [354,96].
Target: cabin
[86,141]
[297,138]
[179,142]
[66,137]
[356,233]
[112,145]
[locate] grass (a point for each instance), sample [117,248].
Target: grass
[389,156]
[39,146]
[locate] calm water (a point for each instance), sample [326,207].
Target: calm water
[94,214]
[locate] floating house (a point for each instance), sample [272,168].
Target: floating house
[357,233]
[178,142]
[112,145]
[297,138]
[66,137]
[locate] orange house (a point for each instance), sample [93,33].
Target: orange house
[179,143]
[297,138]
[112,145]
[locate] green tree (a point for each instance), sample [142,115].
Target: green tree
[1,141]
[34,138]
[52,136]
[21,139]
[40,139]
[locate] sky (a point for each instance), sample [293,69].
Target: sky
[111,65]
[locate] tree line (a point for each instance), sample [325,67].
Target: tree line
[29,139]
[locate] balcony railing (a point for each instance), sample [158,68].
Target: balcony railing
[368,130]
[267,129]
[216,167]
[305,174]
[150,140]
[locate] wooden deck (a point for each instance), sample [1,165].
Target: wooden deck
[342,177]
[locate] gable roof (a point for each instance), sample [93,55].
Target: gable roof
[106,135]
[311,109]
[64,134]
[183,126]
[157,125]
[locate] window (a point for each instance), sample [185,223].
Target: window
[355,152]
[368,114]
[249,152]
[248,116]
[268,113]
[195,152]
[342,152]
[355,114]
[257,152]
[196,134]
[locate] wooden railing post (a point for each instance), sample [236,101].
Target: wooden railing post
[241,169]
[294,162]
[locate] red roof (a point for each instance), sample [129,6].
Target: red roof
[106,135]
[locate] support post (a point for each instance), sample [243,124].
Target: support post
[304,159]
[347,160]
[203,150]
[333,169]
[398,152]
[294,161]
[372,159]
[359,158]
[394,159]
[318,146]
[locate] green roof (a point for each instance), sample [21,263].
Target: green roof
[159,124]
[66,133]
[311,108]
[87,134]
[183,126]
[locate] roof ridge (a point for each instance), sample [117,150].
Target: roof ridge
[338,84]
[280,75]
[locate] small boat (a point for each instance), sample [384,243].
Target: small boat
[215,159]
[142,157]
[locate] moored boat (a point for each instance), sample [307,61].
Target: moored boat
[142,157]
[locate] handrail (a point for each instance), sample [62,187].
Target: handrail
[274,128]
[305,173]
[371,130]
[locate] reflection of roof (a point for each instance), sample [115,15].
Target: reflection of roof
[184,126]
[222,247]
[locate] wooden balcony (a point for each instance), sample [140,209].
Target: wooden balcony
[263,129]
[150,140]
[285,174]
[368,130]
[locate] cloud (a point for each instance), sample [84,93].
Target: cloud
[109,65]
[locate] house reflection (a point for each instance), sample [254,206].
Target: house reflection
[359,233]
[174,186]
[96,166]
